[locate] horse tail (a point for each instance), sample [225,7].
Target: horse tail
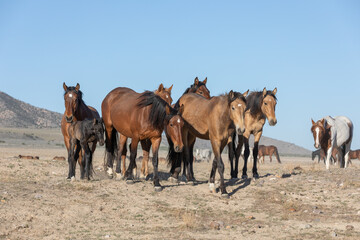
[110,148]
[277,154]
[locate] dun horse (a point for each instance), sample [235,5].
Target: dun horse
[75,110]
[83,133]
[138,116]
[330,133]
[260,106]
[212,120]
[268,151]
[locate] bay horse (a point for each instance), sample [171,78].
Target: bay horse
[209,119]
[260,106]
[83,133]
[165,94]
[330,133]
[268,151]
[138,116]
[354,154]
[75,110]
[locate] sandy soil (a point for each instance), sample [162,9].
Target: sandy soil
[297,199]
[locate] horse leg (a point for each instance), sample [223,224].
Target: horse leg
[328,156]
[155,149]
[270,155]
[110,145]
[217,149]
[71,159]
[86,159]
[82,162]
[231,153]
[145,145]
[120,157]
[237,154]
[132,165]
[191,152]
[246,156]
[257,137]
[212,176]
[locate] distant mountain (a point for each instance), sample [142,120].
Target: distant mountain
[15,113]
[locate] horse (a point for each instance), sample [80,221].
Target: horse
[138,116]
[203,154]
[355,154]
[83,133]
[260,106]
[268,151]
[76,110]
[209,119]
[330,133]
[165,94]
[321,155]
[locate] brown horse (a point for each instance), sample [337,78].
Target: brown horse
[138,116]
[354,154]
[165,94]
[260,106]
[322,156]
[268,151]
[75,110]
[209,119]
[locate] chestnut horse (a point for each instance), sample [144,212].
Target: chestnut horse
[209,119]
[260,106]
[138,116]
[330,133]
[268,151]
[75,110]
[165,94]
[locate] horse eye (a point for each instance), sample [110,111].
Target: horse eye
[233,108]
[201,92]
[171,125]
[265,103]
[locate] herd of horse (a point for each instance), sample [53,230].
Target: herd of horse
[144,117]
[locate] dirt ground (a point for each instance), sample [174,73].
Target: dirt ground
[297,199]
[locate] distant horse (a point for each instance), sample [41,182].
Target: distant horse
[203,154]
[355,154]
[260,106]
[268,151]
[165,94]
[209,119]
[330,133]
[322,156]
[138,116]
[76,110]
[199,88]
[83,133]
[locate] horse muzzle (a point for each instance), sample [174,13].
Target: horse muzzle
[316,146]
[273,122]
[101,142]
[69,119]
[178,149]
[240,131]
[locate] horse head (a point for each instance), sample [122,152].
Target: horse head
[318,130]
[174,128]
[164,93]
[237,106]
[72,97]
[268,106]
[98,129]
[199,87]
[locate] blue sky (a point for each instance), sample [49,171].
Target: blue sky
[309,50]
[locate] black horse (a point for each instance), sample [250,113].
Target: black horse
[82,134]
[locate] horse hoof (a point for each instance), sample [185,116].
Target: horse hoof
[118,176]
[225,195]
[244,176]
[129,181]
[212,187]
[110,173]
[68,178]
[173,180]
[72,179]
[158,188]
[191,183]
[255,175]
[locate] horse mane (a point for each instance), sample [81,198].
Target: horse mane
[78,92]
[157,116]
[237,95]
[191,89]
[255,99]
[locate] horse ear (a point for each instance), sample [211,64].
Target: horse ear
[65,87]
[196,81]
[161,87]
[322,121]
[77,87]
[246,93]
[231,94]
[181,109]
[169,89]
[205,80]
[312,121]
[264,92]
[274,91]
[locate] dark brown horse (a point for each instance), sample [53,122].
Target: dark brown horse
[138,116]
[260,106]
[268,151]
[209,119]
[75,110]
[165,94]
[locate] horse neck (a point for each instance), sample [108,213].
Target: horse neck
[225,111]
[326,140]
[81,112]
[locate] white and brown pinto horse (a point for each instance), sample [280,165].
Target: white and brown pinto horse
[330,133]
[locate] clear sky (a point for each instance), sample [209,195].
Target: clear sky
[309,50]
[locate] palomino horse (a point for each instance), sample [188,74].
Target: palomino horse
[82,134]
[138,116]
[165,94]
[268,151]
[260,106]
[75,110]
[330,133]
[212,120]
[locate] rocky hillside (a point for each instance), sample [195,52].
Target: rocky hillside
[18,114]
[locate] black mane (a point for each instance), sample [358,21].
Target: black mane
[158,116]
[237,95]
[254,101]
[192,89]
[78,92]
